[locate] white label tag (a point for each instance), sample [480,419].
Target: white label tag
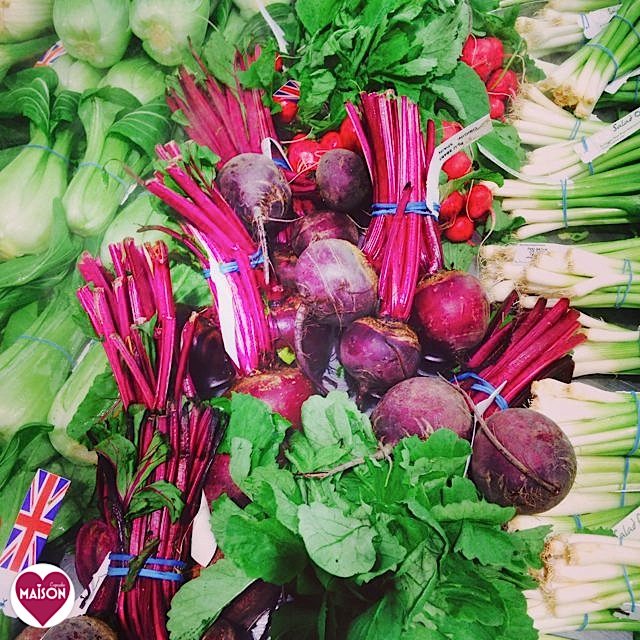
[84,600]
[445,150]
[525,252]
[614,85]
[629,526]
[593,22]
[595,145]
[203,542]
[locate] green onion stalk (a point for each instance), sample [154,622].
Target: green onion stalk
[549,31]
[610,196]
[580,80]
[572,6]
[541,122]
[627,96]
[594,275]
[120,137]
[585,582]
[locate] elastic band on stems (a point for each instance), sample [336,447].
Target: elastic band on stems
[563,188]
[155,574]
[44,147]
[389,208]
[483,385]
[628,22]
[608,51]
[575,129]
[97,165]
[629,588]
[585,146]
[52,344]
[255,259]
[585,622]
[578,521]
[621,296]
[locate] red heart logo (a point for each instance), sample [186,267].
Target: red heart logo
[42,597]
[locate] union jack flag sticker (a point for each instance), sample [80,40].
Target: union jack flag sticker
[51,55]
[35,519]
[290,90]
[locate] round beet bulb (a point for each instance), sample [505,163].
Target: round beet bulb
[379,353]
[419,406]
[336,281]
[452,309]
[284,390]
[343,180]
[526,462]
[319,225]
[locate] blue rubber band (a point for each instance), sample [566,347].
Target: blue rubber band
[578,521]
[636,442]
[57,347]
[620,298]
[44,147]
[628,23]
[97,165]
[585,146]
[389,208]
[255,259]
[156,574]
[483,385]
[584,20]
[574,130]
[629,588]
[608,51]
[637,90]
[281,163]
[565,214]
[585,622]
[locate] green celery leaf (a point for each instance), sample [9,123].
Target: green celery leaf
[485,543]
[316,14]
[341,545]
[155,496]
[458,255]
[198,602]
[518,623]
[474,511]
[261,547]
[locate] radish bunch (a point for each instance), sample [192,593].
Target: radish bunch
[486,56]
[470,205]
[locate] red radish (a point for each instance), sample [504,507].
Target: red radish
[288,112]
[497,107]
[330,140]
[503,83]
[348,136]
[450,128]
[379,353]
[479,201]
[483,54]
[458,165]
[451,206]
[461,230]
[419,406]
[302,153]
[523,459]
[452,309]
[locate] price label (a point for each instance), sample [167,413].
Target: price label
[595,145]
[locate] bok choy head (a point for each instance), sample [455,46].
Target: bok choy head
[38,174]
[22,20]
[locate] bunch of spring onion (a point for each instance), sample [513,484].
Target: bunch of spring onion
[598,274]
[608,349]
[549,31]
[610,196]
[580,80]
[573,6]
[133,312]
[585,578]
[541,122]
[625,97]
[520,346]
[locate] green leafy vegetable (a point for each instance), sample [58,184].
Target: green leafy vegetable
[366,543]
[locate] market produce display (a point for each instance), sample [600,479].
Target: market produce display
[318,319]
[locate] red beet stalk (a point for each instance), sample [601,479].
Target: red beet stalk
[521,346]
[150,371]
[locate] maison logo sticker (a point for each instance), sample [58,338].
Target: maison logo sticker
[42,595]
